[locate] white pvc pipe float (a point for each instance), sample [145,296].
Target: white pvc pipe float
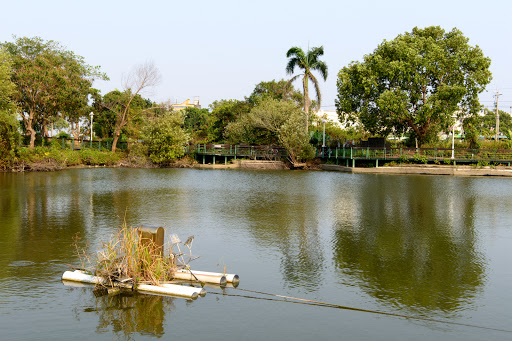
[172,289]
[168,289]
[218,279]
[207,277]
[80,276]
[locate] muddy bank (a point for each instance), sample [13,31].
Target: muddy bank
[426,170]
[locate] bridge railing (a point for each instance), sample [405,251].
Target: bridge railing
[242,151]
[432,154]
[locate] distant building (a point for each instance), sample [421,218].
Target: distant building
[187,104]
[330,115]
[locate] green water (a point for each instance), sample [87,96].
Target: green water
[437,248]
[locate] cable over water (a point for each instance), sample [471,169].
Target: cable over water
[304,301]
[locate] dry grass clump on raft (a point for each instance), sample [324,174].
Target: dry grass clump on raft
[126,260]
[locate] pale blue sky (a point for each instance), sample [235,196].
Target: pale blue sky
[222,49]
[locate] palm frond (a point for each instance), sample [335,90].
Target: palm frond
[316,52]
[297,52]
[297,59]
[321,67]
[293,80]
[291,65]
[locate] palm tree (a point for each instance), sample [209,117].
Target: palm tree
[307,63]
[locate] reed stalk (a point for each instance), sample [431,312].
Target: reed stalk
[125,259]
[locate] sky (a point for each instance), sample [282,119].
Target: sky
[222,49]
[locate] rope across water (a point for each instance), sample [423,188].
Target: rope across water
[297,300]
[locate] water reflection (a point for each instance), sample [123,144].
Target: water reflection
[126,314]
[412,242]
[40,216]
[282,216]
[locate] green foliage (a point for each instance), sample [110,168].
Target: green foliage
[483,163]
[165,137]
[95,157]
[281,90]
[447,161]
[274,122]
[485,124]
[63,135]
[224,112]
[403,158]
[55,157]
[295,139]
[50,81]
[414,83]
[197,123]
[108,107]
[9,134]
[420,158]
[472,131]
[307,63]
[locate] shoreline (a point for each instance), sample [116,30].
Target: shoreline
[408,169]
[425,170]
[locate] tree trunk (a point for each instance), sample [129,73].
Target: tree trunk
[116,138]
[122,122]
[306,100]
[45,129]
[32,138]
[29,126]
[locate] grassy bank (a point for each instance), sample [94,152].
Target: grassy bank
[51,158]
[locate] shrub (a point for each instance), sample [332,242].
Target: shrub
[420,158]
[403,158]
[165,137]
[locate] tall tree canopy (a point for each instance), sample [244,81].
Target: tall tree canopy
[279,90]
[49,81]
[224,112]
[414,83]
[8,124]
[307,63]
[107,108]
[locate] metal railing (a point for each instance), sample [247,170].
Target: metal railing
[430,154]
[76,144]
[239,151]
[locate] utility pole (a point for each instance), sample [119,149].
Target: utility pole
[497,115]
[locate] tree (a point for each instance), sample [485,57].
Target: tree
[307,63]
[224,112]
[49,80]
[197,123]
[165,137]
[142,77]
[108,108]
[274,122]
[281,90]
[414,84]
[9,135]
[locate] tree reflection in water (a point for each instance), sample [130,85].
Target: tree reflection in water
[130,313]
[411,244]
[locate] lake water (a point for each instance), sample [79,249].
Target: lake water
[435,248]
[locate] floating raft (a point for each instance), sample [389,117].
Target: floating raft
[167,289]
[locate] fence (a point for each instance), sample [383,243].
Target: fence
[77,144]
[426,154]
